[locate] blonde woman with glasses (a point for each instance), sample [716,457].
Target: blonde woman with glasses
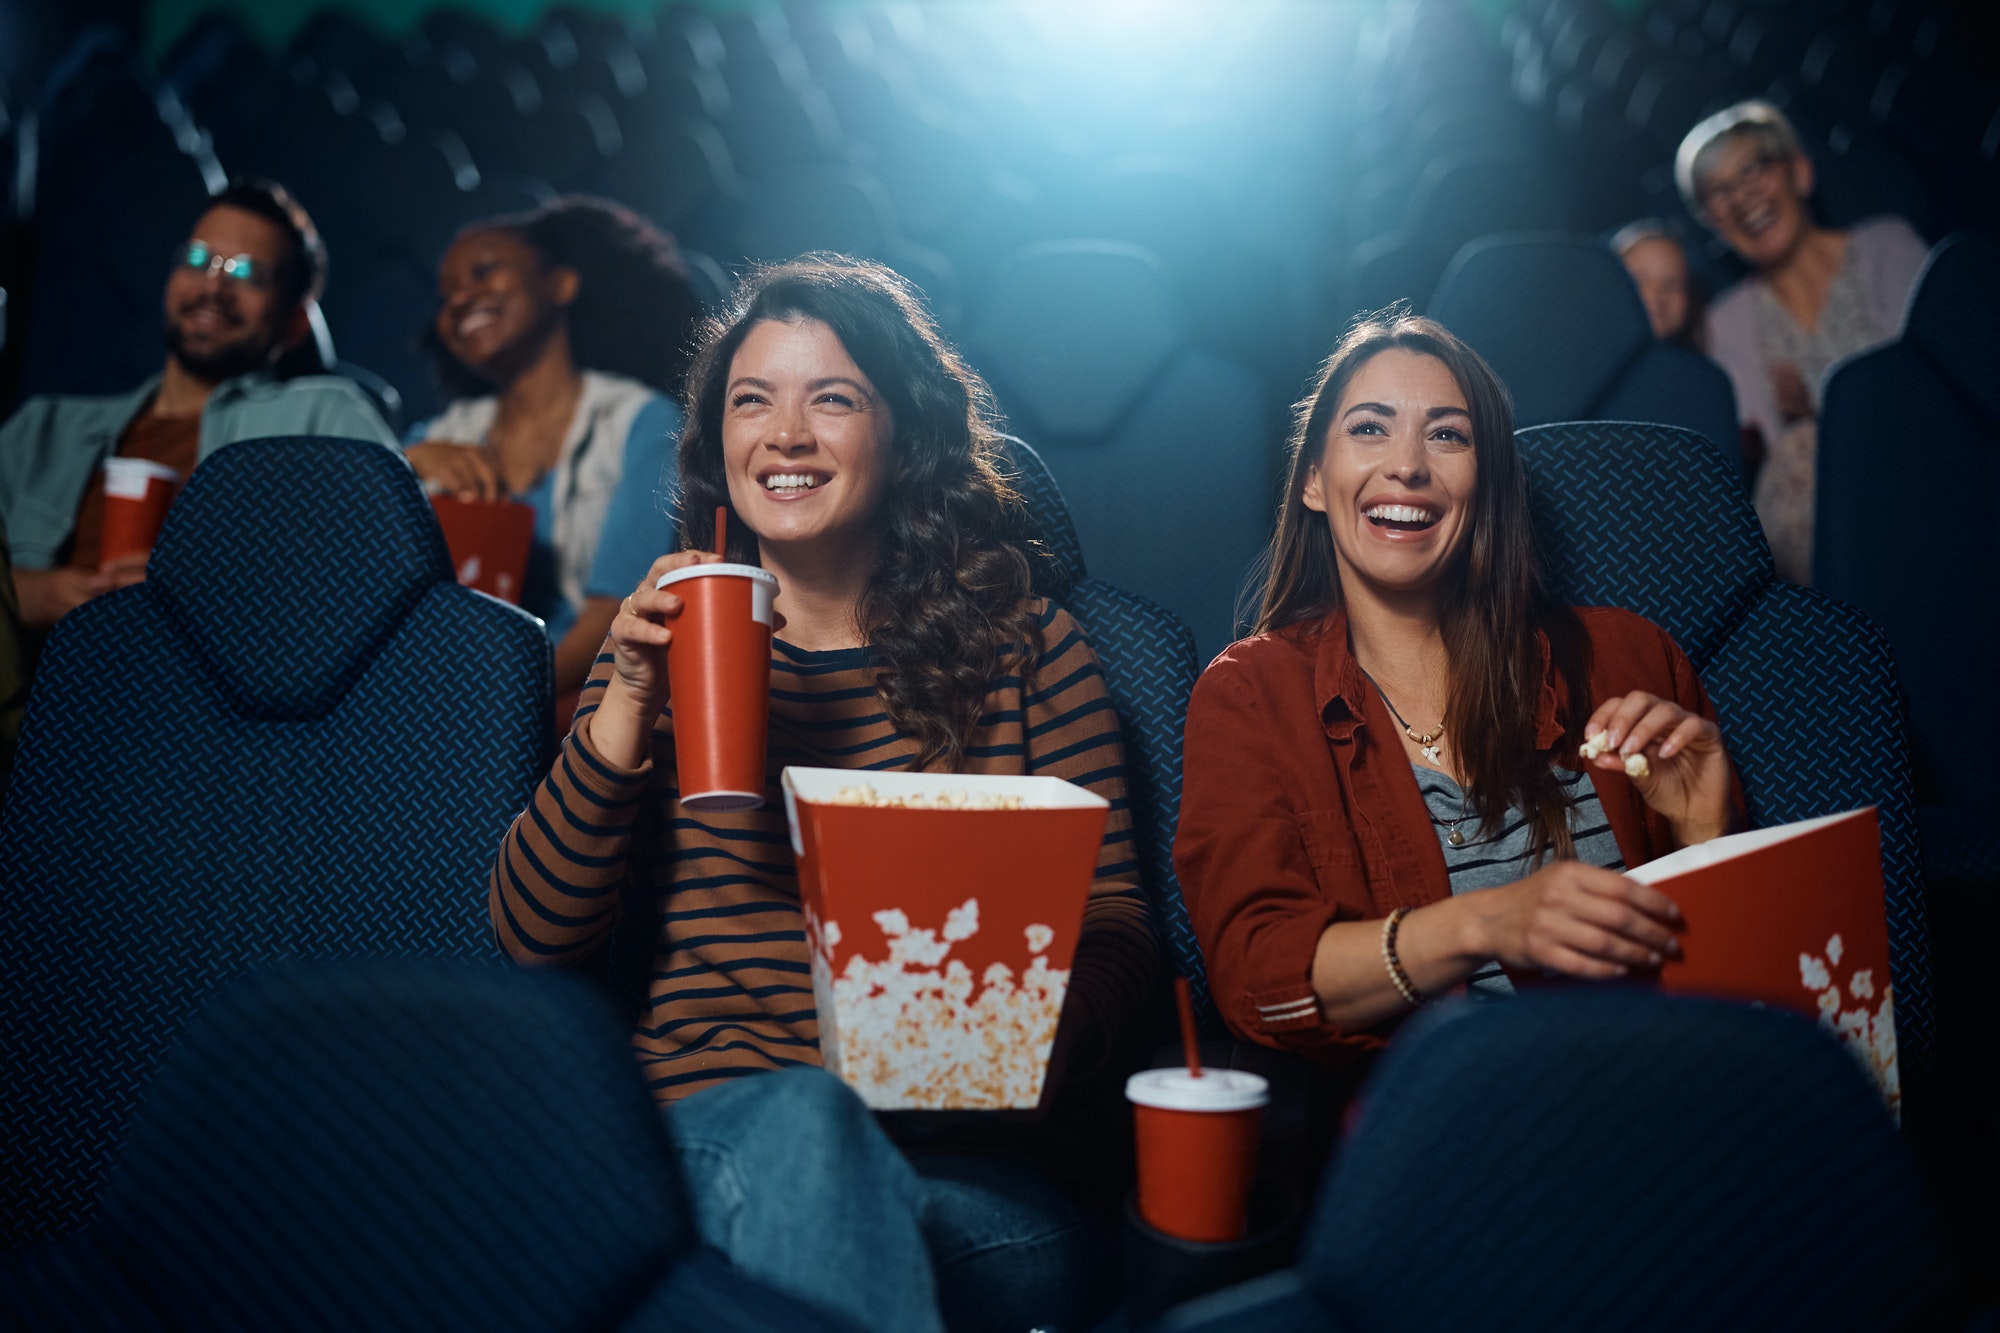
[1813,296]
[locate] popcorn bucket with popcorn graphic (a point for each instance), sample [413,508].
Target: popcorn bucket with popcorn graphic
[942,913]
[1791,916]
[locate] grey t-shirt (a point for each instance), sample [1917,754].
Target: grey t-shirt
[1482,862]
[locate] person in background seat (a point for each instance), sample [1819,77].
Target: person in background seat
[856,454]
[1657,259]
[562,337]
[1386,796]
[1813,296]
[235,301]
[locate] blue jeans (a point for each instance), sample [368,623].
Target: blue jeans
[793,1180]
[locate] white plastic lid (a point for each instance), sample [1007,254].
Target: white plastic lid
[1175,1089]
[700,571]
[129,477]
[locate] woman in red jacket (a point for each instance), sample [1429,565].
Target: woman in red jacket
[1394,789]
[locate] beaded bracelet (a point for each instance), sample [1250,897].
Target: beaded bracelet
[1411,995]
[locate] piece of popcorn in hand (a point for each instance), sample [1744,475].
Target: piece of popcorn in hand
[1637,767]
[1595,745]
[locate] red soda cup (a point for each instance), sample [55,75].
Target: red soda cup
[137,494]
[1197,1140]
[719,682]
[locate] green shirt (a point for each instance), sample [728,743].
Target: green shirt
[54,445]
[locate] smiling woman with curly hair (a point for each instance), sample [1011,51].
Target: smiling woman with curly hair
[857,457]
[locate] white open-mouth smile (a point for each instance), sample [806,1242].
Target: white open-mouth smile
[1401,517]
[792,483]
[477,318]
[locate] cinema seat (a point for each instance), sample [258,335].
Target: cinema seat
[396,1145]
[1920,558]
[299,737]
[1653,519]
[1160,447]
[1561,321]
[1149,666]
[1615,1159]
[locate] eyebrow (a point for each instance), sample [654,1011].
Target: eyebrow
[1385,410]
[811,385]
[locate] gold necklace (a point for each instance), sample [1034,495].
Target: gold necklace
[1427,743]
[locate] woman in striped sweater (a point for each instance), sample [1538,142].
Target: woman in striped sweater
[855,453]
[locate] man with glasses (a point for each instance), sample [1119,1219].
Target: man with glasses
[237,298]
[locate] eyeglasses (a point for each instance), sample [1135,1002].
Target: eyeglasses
[200,257]
[1733,188]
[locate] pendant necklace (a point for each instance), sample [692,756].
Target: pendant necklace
[1427,743]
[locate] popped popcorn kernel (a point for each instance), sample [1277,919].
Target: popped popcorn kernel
[893,922]
[1040,937]
[1862,984]
[1637,767]
[1835,948]
[1813,973]
[962,923]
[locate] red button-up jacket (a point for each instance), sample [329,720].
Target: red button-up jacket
[1300,809]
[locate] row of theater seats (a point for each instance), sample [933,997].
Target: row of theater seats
[1890,96]
[460,1146]
[318,739]
[762,133]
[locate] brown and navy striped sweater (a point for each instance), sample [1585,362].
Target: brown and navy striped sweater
[730,990]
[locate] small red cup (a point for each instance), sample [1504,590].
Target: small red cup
[719,683]
[137,494]
[1197,1149]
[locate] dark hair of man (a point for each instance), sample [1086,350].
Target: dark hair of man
[1496,612]
[948,603]
[302,274]
[636,307]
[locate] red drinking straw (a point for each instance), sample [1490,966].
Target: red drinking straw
[1186,1003]
[722,532]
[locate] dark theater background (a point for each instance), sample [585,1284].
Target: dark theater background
[1144,222]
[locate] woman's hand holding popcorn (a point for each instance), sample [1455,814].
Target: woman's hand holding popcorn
[1675,758]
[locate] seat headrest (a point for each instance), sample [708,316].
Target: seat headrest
[454,1116]
[1557,318]
[1075,331]
[288,561]
[1951,318]
[1048,516]
[1649,518]
[1731,1123]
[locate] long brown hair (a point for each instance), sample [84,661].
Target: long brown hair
[947,605]
[1496,612]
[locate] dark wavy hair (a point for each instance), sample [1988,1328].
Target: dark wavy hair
[947,604]
[635,311]
[1496,611]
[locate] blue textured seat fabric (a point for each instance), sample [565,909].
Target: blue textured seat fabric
[1935,596]
[298,737]
[1149,665]
[1048,518]
[396,1145]
[1651,519]
[1562,323]
[1160,447]
[1623,1160]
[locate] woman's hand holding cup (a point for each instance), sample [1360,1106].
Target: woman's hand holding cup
[1685,770]
[622,726]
